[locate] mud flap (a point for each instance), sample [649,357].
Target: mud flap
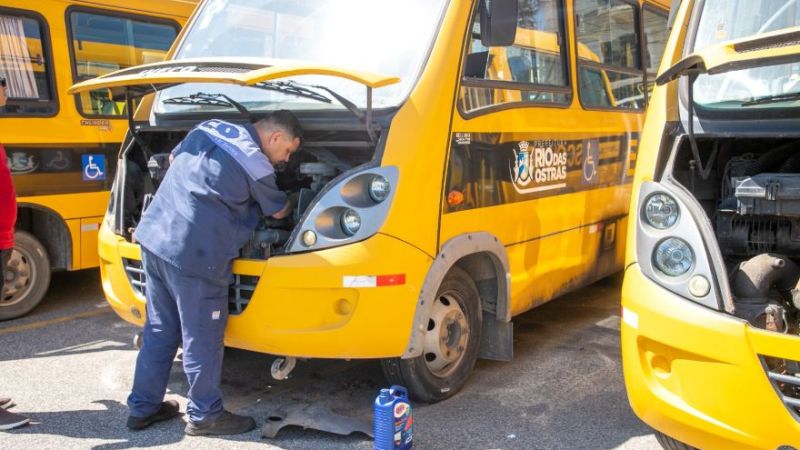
[497,341]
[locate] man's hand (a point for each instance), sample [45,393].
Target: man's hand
[291,204]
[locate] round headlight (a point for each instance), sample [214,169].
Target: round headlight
[379,188]
[674,257]
[661,211]
[351,222]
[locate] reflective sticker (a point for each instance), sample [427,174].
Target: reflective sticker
[359,281]
[364,281]
[630,318]
[215,315]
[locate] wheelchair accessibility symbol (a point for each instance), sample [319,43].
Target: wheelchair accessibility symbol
[94,167]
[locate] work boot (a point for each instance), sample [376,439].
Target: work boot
[5,403]
[226,423]
[9,420]
[168,410]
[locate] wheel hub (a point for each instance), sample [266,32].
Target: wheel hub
[447,336]
[19,278]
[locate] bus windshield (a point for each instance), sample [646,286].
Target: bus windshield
[382,36]
[763,87]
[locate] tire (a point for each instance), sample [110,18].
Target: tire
[667,443]
[27,277]
[450,344]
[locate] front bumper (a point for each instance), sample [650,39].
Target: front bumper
[698,376]
[299,306]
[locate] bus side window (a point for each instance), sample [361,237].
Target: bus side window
[609,68]
[103,43]
[534,69]
[654,24]
[25,62]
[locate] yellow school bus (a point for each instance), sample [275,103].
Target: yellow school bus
[710,345]
[441,191]
[61,148]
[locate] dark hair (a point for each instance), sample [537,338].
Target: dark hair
[285,119]
[2,81]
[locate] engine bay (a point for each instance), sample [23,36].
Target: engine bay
[322,157]
[751,194]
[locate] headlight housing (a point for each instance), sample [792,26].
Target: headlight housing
[670,246]
[673,256]
[351,209]
[661,211]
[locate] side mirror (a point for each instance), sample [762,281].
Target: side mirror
[498,22]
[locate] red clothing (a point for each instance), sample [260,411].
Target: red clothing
[8,203]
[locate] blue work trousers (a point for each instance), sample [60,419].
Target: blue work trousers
[180,307]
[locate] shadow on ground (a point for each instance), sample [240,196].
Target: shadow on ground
[564,389]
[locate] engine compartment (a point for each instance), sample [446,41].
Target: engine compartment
[750,192]
[323,156]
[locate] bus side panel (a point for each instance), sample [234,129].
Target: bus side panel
[556,198]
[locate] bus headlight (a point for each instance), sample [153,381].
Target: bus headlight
[379,188]
[673,257]
[351,222]
[671,247]
[661,211]
[350,210]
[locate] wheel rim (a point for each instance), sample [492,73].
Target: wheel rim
[447,336]
[20,277]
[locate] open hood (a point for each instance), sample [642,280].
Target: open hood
[145,79]
[767,49]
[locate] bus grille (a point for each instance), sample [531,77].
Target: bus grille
[784,374]
[239,292]
[135,273]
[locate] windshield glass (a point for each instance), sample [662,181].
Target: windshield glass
[388,37]
[724,20]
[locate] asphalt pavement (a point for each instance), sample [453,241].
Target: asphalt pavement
[69,367]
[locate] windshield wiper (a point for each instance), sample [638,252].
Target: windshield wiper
[773,99]
[202,98]
[292,88]
[307,91]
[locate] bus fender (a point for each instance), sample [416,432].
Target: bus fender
[484,257]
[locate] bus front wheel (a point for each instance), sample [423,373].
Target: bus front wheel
[667,443]
[27,276]
[450,345]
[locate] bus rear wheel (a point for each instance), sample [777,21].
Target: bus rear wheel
[450,345]
[27,276]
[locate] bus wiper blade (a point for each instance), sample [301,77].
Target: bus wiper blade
[202,98]
[773,99]
[291,88]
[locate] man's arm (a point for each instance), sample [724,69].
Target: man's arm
[272,201]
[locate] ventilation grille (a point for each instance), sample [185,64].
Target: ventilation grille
[239,293]
[135,275]
[784,374]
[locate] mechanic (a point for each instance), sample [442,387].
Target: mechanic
[219,184]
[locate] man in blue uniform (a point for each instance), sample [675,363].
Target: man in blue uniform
[219,184]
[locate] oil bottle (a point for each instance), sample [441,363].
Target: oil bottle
[392,419]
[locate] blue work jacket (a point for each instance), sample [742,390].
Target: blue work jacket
[218,186]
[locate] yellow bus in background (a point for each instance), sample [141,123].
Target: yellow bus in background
[710,328]
[451,176]
[62,148]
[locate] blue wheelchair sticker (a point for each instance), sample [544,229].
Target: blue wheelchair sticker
[94,167]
